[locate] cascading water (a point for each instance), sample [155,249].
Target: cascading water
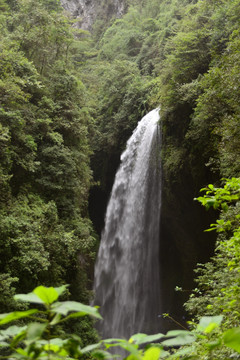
[127,285]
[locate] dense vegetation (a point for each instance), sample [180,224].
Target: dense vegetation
[41,337]
[45,233]
[69,101]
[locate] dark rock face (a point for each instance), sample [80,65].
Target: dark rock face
[183,221]
[183,242]
[88,11]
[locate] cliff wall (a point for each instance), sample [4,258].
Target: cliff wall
[88,11]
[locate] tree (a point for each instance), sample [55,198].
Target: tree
[45,233]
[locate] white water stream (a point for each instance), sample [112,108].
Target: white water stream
[127,285]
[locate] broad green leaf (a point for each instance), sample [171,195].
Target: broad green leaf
[16,315]
[231,339]
[61,289]
[30,297]
[67,306]
[22,352]
[125,344]
[179,340]
[152,353]
[113,340]
[178,333]
[47,294]
[213,344]
[58,341]
[52,347]
[12,331]
[41,295]
[34,331]
[210,328]
[133,349]
[56,319]
[143,338]
[164,354]
[133,357]
[209,323]
[137,338]
[89,348]
[18,339]
[75,315]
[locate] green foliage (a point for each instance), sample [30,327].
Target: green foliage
[121,95]
[124,38]
[45,233]
[186,53]
[217,113]
[63,96]
[42,32]
[197,67]
[218,281]
[42,339]
[221,197]
[43,115]
[31,249]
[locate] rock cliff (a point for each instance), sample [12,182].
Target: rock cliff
[88,11]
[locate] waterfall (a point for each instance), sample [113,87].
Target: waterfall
[127,285]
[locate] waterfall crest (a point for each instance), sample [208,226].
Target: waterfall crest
[127,285]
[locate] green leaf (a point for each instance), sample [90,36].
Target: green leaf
[209,323]
[184,338]
[34,332]
[143,338]
[210,328]
[133,357]
[75,315]
[30,297]
[52,347]
[89,348]
[61,289]
[113,340]
[22,352]
[58,341]
[164,354]
[12,331]
[152,353]
[124,344]
[231,339]
[18,339]
[133,349]
[67,306]
[16,315]
[47,294]
[213,344]
[56,319]
[178,333]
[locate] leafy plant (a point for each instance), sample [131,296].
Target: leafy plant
[218,281]
[41,336]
